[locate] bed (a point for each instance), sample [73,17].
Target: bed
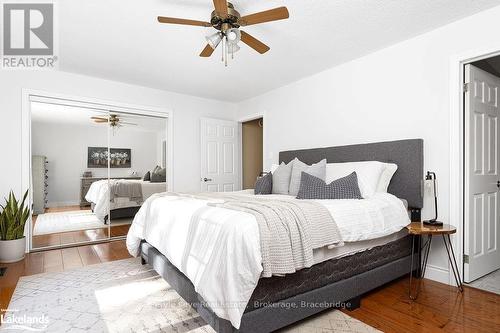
[121,206]
[339,276]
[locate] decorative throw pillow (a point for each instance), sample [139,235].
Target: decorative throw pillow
[160,176]
[281,178]
[264,184]
[147,176]
[315,188]
[316,170]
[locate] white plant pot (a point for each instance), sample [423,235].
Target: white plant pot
[12,250]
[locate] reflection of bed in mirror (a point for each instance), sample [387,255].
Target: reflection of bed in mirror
[121,197]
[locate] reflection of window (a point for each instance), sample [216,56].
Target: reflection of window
[164,154]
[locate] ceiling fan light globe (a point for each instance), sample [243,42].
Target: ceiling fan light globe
[233,48]
[214,40]
[233,36]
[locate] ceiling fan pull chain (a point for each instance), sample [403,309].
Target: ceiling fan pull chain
[225,53]
[222,59]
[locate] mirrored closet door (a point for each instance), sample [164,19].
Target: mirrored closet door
[92,169]
[63,187]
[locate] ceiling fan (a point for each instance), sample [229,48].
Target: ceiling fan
[114,121]
[228,22]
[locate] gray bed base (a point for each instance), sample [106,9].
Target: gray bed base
[347,292]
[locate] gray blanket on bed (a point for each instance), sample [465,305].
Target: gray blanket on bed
[122,188]
[290,229]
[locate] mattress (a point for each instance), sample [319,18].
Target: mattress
[350,248]
[277,288]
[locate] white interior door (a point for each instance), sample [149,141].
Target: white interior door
[482,232]
[219,155]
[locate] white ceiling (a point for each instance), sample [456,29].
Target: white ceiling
[121,40]
[62,114]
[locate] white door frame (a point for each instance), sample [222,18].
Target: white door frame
[108,105]
[456,112]
[240,140]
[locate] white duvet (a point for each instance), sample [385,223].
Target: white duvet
[98,194]
[219,249]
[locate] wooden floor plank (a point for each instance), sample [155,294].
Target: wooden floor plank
[88,255]
[52,261]
[71,258]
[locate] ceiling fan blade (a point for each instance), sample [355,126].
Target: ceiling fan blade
[221,7]
[254,43]
[100,121]
[207,51]
[173,20]
[275,14]
[99,118]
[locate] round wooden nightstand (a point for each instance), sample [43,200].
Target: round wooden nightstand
[418,230]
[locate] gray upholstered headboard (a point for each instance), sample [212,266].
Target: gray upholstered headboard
[407,154]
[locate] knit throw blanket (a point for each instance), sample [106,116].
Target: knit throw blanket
[121,188]
[290,229]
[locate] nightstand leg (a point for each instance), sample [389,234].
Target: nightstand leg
[422,263]
[411,265]
[453,262]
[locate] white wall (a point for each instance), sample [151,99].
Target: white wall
[187,113]
[396,93]
[66,148]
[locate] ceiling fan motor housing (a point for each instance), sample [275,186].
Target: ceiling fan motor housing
[224,23]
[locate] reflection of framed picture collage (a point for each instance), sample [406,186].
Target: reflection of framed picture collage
[119,157]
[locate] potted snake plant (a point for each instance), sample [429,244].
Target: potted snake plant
[13,217]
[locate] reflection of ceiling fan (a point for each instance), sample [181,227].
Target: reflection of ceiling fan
[228,21]
[114,121]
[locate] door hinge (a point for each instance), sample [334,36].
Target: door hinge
[466,259]
[466,87]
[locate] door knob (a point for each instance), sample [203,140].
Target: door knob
[207,179]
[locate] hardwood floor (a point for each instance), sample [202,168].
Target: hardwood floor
[81,236]
[439,307]
[57,261]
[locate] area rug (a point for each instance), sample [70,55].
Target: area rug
[51,223]
[123,296]
[78,220]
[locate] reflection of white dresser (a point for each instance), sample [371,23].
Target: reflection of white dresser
[39,175]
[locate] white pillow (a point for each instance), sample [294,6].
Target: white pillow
[274,167]
[386,176]
[369,174]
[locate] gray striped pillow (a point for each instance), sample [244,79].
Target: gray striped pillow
[315,188]
[264,184]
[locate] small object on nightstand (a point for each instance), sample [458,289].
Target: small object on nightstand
[87,174]
[431,176]
[419,229]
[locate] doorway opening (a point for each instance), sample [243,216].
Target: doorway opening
[481,236]
[252,151]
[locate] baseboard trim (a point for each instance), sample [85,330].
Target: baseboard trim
[62,204]
[438,274]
